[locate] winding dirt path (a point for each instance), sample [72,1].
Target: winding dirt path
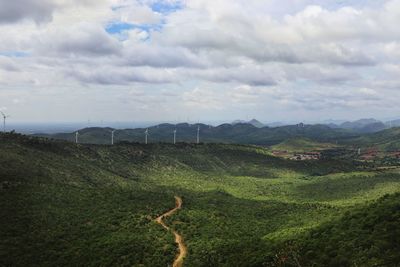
[178,262]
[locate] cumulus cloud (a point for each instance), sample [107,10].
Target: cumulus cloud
[291,53]
[39,11]
[83,39]
[7,64]
[16,10]
[135,13]
[246,74]
[122,76]
[203,98]
[245,94]
[162,57]
[327,98]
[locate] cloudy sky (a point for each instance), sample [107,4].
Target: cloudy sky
[168,60]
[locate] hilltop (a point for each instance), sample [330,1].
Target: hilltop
[286,141]
[239,133]
[254,122]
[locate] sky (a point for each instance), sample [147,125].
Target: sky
[199,60]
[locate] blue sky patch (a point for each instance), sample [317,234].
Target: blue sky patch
[118,28]
[162,7]
[14,54]
[166,8]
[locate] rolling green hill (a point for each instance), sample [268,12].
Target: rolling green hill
[387,140]
[301,145]
[368,236]
[240,133]
[94,205]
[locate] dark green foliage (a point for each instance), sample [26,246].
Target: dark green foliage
[71,208]
[386,140]
[368,236]
[339,188]
[226,133]
[222,230]
[64,204]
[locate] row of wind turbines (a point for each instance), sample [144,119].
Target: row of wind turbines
[146,136]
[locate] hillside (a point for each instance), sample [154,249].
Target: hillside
[301,145]
[387,140]
[95,205]
[368,236]
[239,133]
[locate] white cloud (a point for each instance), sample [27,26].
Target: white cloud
[203,99]
[16,10]
[136,13]
[247,95]
[84,39]
[290,52]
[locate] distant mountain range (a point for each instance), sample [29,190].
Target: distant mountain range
[259,124]
[363,133]
[363,125]
[358,126]
[241,133]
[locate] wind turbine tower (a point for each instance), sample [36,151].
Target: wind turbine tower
[76,137]
[4,120]
[146,133]
[112,137]
[174,136]
[198,134]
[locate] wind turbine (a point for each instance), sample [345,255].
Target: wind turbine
[146,133]
[198,134]
[112,137]
[174,136]
[76,137]
[4,120]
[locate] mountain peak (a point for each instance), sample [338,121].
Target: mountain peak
[253,122]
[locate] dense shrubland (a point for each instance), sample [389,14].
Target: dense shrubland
[94,205]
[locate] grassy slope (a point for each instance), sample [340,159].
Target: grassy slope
[67,205]
[386,140]
[367,236]
[64,204]
[301,145]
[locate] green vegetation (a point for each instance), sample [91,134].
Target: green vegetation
[66,205]
[387,140]
[301,145]
[367,236]
[94,205]
[241,133]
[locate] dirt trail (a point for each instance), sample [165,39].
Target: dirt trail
[178,262]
